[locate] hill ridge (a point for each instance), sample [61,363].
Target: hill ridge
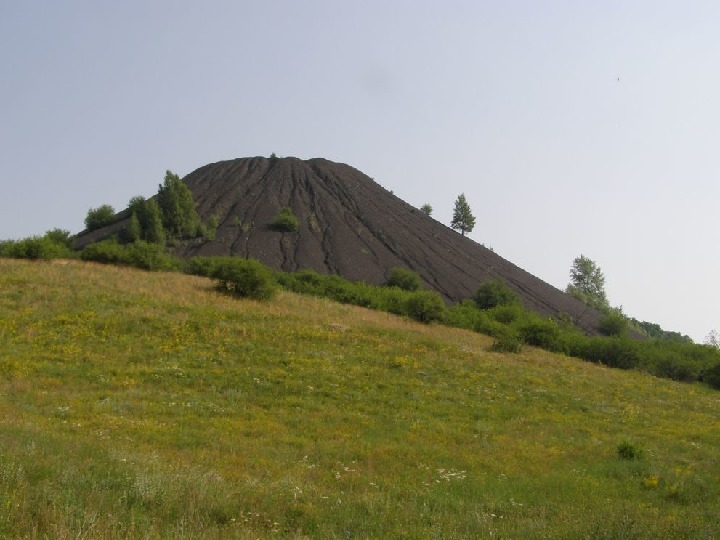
[351,226]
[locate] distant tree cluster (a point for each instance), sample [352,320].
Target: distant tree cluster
[171,214]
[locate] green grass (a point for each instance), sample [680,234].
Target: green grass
[148,405]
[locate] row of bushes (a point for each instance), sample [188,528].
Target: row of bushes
[494,311]
[55,244]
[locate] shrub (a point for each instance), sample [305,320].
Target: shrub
[628,451]
[465,315]
[285,221]
[506,340]
[139,254]
[613,352]
[613,324]
[61,237]
[541,333]
[99,217]
[506,314]
[711,376]
[35,247]
[244,277]
[495,293]
[425,306]
[404,279]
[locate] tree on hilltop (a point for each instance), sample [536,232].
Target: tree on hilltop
[463,219]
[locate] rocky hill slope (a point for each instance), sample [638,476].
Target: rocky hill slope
[351,226]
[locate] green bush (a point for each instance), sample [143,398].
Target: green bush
[495,293]
[244,277]
[465,315]
[541,333]
[404,279]
[61,237]
[36,247]
[139,254]
[285,221]
[711,376]
[629,451]
[506,340]
[99,217]
[425,306]
[613,352]
[613,323]
[506,314]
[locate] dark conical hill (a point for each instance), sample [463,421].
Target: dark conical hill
[351,226]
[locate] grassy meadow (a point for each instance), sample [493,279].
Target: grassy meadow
[148,405]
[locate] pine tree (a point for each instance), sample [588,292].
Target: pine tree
[463,219]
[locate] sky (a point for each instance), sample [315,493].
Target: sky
[572,127]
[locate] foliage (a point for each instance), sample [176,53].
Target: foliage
[285,221]
[711,376]
[51,246]
[60,236]
[613,323]
[463,219]
[629,451]
[506,341]
[244,277]
[177,206]
[146,221]
[134,230]
[541,333]
[99,217]
[404,279]
[426,209]
[495,293]
[587,283]
[212,227]
[139,254]
[425,306]
[653,330]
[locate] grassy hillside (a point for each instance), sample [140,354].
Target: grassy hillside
[147,405]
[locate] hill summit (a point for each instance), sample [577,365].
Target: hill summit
[347,224]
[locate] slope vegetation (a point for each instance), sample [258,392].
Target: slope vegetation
[347,225]
[149,405]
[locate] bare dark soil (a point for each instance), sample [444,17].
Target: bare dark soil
[351,226]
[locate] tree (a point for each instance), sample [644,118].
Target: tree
[713,339]
[99,217]
[133,230]
[462,220]
[426,209]
[153,224]
[177,205]
[588,283]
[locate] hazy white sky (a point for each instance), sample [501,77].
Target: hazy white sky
[571,126]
